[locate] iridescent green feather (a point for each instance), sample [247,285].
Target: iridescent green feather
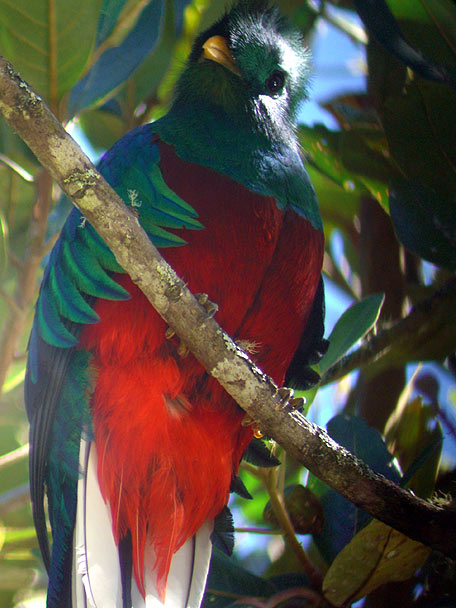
[81,264]
[71,304]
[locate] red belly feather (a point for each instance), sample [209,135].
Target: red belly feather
[168,437]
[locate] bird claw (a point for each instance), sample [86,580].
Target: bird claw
[169,333]
[210,307]
[286,399]
[248,421]
[182,348]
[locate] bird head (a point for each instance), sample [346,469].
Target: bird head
[251,66]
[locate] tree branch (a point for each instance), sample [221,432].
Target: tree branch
[255,392]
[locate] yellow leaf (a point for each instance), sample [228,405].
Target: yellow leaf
[378,554]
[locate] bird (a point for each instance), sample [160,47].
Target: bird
[134,444]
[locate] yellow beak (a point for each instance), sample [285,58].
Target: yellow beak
[216,49]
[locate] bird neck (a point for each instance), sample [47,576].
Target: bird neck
[228,143]
[252,154]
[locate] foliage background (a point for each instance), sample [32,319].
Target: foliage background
[385,173]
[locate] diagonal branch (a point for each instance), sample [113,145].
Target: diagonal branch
[255,392]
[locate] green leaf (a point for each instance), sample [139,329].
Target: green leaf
[14,578]
[425,221]
[382,26]
[116,64]
[14,381]
[4,238]
[228,581]
[321,146]
[146,80]
[109,15]
[355,322]
[354,159]
[415,438]
[420,126]
[101,126]
[338,204]
[430,26]
[49,43]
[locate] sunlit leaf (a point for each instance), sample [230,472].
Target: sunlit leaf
[44,41]
[377,555]
[16,577]
[4,237]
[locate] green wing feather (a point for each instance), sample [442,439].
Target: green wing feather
[81,264]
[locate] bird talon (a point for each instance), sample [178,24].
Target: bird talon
[248,421]
[286,399]
[169,333]
[210,307]
[283,397]
[296,403]
[182,350]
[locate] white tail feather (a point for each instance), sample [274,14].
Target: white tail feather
[96,570]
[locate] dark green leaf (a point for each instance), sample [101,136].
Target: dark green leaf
[117,64]
[420,127]
[260,454]
[149,75]
[353,159]
[382,25]
[228,581]
[109,15]
[424,221]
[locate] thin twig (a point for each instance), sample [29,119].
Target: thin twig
[269,477]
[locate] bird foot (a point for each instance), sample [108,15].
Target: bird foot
[182,348]
[169,333]
[210,307]
[286,399]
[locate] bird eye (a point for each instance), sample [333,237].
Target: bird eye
[274,84]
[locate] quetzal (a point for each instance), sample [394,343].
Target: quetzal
[137,446]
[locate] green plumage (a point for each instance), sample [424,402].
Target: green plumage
[81,263]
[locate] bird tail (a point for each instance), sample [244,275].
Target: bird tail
[103,579]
